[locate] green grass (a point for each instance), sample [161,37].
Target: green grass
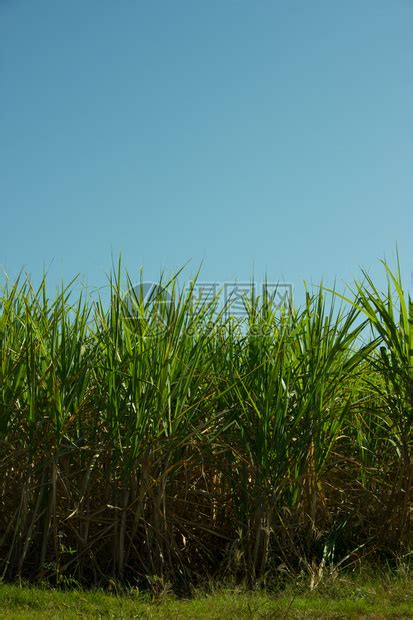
[342,598]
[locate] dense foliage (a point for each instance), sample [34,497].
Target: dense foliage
[178,442]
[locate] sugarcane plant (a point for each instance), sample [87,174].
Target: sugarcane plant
[168,440]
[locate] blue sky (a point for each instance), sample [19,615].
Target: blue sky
[256,136]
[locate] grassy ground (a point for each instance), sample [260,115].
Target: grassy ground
[349,597]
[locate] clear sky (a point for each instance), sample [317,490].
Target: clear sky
[253,135]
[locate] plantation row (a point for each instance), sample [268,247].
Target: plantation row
[209,447]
